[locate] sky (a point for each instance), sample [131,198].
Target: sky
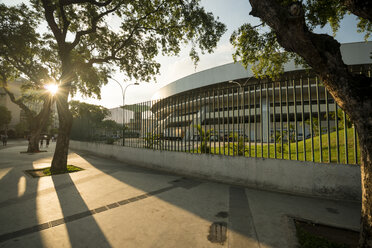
[233,13]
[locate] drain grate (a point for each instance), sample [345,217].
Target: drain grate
[217,232]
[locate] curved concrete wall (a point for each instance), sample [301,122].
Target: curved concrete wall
[336,181]
[352,54]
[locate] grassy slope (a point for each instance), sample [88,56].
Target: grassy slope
[332,144]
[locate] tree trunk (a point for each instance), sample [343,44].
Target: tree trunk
[59,163]
[366,171]
[38,122]
[37,125]
[33,144]
[351,92]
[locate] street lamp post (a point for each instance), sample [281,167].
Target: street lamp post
[240,119]
[242,105]
[123,95]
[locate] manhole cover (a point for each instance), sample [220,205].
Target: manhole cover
[217,232]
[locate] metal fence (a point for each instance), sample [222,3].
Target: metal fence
[294,118]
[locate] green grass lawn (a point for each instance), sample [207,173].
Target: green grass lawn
[70,168]
[310,147]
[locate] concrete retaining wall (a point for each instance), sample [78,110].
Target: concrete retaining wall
[336,181]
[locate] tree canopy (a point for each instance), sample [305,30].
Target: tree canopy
[258,45]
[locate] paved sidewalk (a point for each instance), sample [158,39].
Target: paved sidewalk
[111,204]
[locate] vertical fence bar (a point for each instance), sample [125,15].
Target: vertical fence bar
[219,121]
[197,121]
[281,120]
[166,132]
[159,124]
[233,121]
[255,123]
[201,121]
[156,123]
[214,121]
[153,130]
[223,119]
[319,120]
[130,127]
[288,127]
[346,140]
[273,89]
[161,130]
[311,120]
[205,121]
[188,122]
[228,122]
[141,136]
[178,124]
[144,119]
[295,115]
[192,122]
[268,119]
[355,145]
[328,126]
[238,118]
[174,124]
[337,134]
[303,119]
[209,121]
[143,124]
[166,126]
[261,120]
[148,107]
[243,121]
[183,121]
[249,121]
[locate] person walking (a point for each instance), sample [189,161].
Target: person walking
[41,142]
[5,139]
[47,142]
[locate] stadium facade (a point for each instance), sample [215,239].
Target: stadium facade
[228,101]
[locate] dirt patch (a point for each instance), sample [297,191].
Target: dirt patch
[317,235]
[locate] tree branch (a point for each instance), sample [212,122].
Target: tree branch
[66,23]
[68,2]
[135,28]
[13,99]
[49,16]
[361,8]
[93,29]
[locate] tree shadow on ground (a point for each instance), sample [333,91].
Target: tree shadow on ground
[200,198]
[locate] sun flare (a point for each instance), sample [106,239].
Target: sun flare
[52,88]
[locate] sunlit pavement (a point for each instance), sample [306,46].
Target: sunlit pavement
[111,204]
